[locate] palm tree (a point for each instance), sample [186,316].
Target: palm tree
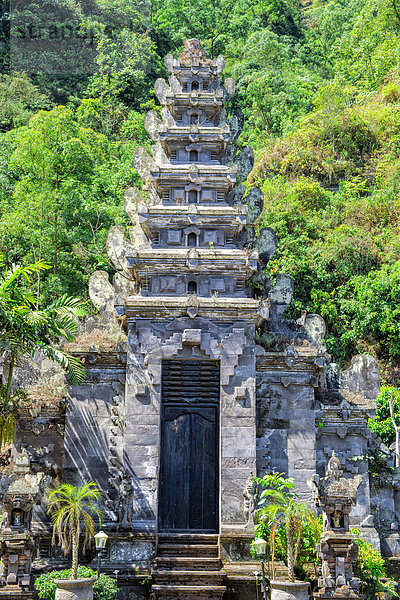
[71,511]
[24,329]
[279,505]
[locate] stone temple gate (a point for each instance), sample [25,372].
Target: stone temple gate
[173,423]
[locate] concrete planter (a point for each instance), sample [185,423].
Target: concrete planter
[284,590]
[74,589]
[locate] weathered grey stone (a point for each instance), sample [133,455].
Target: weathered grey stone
[361,381]
[284,590]
[117,247]
[152,124]
[265,244]
[255,203]
[282,292]
[315,328]
[229,85]
[143,162]
[236,123]
[160,87]
[220,62]
[244,162]
[101,292]
[124,287]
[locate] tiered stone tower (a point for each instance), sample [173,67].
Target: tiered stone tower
[192,319]
[191,381]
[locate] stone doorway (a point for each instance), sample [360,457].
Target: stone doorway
[189,456]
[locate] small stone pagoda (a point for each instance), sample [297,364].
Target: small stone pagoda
[171,423]
[337,550]
[20,493]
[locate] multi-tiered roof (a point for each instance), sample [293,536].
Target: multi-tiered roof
[193,256]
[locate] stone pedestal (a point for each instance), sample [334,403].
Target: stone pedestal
[284,590]
[74,589]
[337,552]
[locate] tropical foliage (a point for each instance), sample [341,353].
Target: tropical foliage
[25,329]
[72,510]
[104,588]
[319,83]
[382,424]
[279,506]
[372,571]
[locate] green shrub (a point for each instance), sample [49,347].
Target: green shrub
[310,536]
[277,507]
[352,136]
[309,194]
[104,588]
[382,424]
[390,93]
[371,569]
[377,312]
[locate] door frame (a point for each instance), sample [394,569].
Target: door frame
[218,453]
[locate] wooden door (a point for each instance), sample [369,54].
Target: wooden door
[189,473]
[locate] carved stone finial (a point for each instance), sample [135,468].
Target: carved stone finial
[193,51]
[334,471]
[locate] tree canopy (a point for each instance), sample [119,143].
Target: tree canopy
[26,328]
[319,85]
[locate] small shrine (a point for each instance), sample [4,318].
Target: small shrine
[20,492]
[337,550]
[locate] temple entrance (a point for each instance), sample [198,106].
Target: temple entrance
[189,465]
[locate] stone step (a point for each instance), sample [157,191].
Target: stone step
[166,577]
[184,549]
[181,592]
[188,538]
[188,563]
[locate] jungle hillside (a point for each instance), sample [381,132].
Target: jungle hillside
[319,84]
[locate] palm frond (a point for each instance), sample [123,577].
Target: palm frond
[71,364]
[72,509]
[16,271]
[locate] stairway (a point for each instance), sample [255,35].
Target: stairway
[187,566]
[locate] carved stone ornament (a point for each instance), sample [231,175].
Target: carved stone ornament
[337,549]
[19,492]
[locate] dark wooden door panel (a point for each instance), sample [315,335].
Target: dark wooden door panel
[204,471]
[174,481]
[188,487]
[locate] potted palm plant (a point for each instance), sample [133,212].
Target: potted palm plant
[279,506]
[72,510]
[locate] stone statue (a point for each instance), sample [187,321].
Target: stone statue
[125,500]
[250,495]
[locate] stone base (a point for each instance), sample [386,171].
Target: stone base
[370,534]
[390,544]
[14,592]
[324,596]
[74,589]
[285,590]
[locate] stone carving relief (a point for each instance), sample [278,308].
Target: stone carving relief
[250,499]
[157,345]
